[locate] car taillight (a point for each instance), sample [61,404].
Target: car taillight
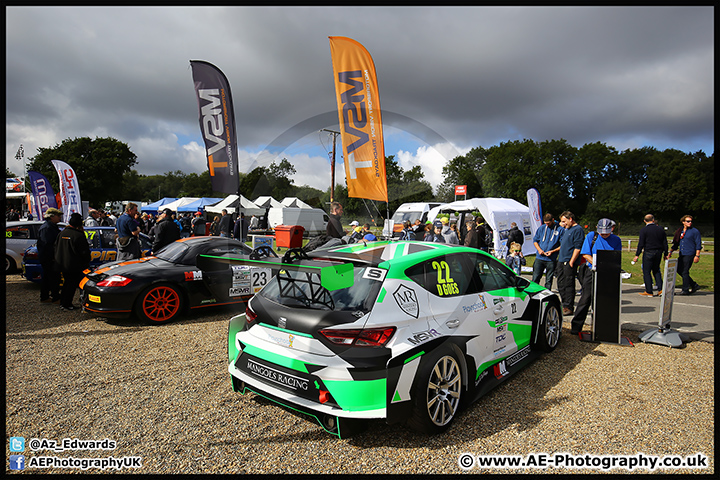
[30,255]
[371,337]
[250,316]
[114,281]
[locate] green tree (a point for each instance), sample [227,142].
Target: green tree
[99,165]
[463,170]
[512,168]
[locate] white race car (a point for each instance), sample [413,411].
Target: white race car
[399,331]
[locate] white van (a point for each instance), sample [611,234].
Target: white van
[313,220]
[411,212]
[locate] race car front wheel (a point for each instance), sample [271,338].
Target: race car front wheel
[437,393]
[549,330]
[159,304]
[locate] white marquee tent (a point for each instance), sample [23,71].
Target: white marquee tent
[267,202]
[246,206]
[179,203]
[499,213]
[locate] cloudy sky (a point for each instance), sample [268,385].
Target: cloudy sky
[449,78]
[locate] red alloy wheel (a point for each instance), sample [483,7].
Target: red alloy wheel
[160,304]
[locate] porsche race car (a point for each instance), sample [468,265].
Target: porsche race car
[159,288]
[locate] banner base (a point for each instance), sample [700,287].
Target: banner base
[664,336]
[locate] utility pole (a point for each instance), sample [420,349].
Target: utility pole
[20,155]
[332,164]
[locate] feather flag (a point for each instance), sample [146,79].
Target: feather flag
[360,119]
[69,189]
[42,192]
[217,124]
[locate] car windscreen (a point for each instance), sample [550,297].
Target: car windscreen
[303,290]
[173,252]
[400,217]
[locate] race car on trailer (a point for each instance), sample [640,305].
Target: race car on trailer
[399,331]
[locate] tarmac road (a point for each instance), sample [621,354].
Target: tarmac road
[692,315]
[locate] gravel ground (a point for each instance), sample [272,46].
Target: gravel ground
[163,394]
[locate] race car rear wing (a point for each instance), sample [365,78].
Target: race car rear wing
[333,275]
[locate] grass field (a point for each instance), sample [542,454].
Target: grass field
[702,272]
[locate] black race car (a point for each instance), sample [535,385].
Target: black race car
[161,287]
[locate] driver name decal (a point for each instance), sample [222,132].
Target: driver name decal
[407,301]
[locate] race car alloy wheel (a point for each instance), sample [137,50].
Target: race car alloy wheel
[549,333]
[159,303]
[437,394]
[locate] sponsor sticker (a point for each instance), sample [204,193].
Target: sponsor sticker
[238,291]
[421,337]
[517,356]
[480,377]
[406,299]
[94,298]
[248,280]
[500,369]
[193,276]
[375,274]
[478,306]
[276,376]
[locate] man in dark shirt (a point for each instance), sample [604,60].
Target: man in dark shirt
[50,286]
[225,224]
[334,227]
[653,242]
[569,260]
[72,254]
[166,231]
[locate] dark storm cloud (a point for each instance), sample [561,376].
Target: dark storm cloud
[627,76]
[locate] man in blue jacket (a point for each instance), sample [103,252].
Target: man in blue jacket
[547,243]
[687,240]
[602,239]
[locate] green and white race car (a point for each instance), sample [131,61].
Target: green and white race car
[402,331]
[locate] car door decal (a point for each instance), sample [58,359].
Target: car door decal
[407,300]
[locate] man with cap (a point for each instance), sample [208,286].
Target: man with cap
[198,224]
[48,232]
[166,231]
[72,254]
[435,234]
[602,239]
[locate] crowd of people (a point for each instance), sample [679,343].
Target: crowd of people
[66,252]
[563,251]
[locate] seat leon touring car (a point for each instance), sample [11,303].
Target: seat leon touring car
[401,331]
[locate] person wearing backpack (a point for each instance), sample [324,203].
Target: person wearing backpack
[601,239]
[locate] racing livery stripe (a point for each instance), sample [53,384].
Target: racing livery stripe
[358,395]
[287,362]
[381,296]
[405,382]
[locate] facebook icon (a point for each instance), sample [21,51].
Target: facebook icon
[17,462]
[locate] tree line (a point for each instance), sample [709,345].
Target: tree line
[593,181]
